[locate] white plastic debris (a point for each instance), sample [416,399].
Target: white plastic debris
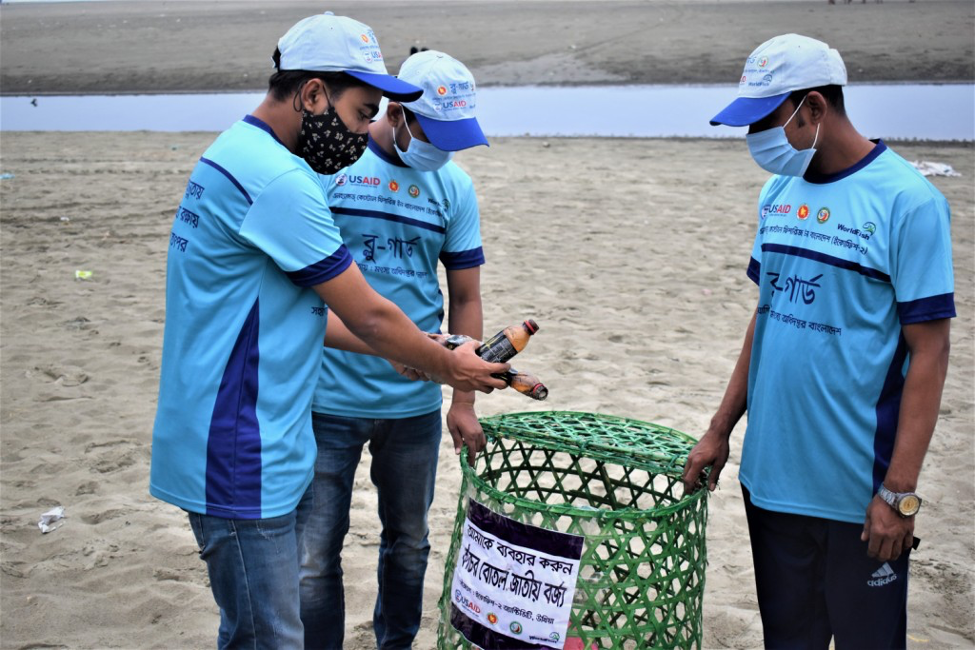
[53,519]
[930,168]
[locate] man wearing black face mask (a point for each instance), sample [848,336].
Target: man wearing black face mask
[404,209]
[254,262]
[844,360]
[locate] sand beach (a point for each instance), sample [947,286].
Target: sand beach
[629,253]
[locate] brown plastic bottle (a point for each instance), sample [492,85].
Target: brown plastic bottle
[526,383]
[507,343]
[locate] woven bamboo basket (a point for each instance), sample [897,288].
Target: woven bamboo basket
[616,482]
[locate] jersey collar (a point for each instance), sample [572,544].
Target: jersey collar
[253,121]
[821,179]
[383,155]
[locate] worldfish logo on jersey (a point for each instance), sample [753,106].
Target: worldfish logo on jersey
[865,232]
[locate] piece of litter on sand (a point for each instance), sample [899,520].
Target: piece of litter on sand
[930,168]
[65,218]
[83,275]
[5,176]
[53,519]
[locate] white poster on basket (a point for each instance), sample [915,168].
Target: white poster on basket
[513,584]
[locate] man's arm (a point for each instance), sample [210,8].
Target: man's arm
[384,328]
[888,534]
[713,448]
[339,337]
[465,317]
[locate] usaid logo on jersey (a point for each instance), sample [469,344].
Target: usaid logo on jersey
[775,208]
[360,181]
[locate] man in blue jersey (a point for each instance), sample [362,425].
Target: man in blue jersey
[401,208]
[843,365]
[254,260]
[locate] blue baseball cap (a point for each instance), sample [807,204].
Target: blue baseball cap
[446,110]
[776,69]
[329,43]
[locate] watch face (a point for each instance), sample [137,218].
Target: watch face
[909,505]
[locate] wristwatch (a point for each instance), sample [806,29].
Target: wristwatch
[905,503]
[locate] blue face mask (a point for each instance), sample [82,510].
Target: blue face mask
[773,152]
[422,156]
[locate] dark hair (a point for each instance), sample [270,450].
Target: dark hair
[832,94]
[285,83]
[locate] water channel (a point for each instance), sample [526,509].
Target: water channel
[894,111]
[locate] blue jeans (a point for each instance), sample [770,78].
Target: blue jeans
[253,566]
[405,459]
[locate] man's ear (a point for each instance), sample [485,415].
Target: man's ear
[817,105]
[395,113]
[313,96]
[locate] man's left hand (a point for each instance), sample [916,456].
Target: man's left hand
[887,533]
[465,429]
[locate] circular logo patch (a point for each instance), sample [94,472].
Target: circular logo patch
[364,38]
[442,90]
[823,215]
[493,619]
[515,627]
[803,212]
[414,191]
[393,185]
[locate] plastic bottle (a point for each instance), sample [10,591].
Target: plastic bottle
[526,383]
[507,343]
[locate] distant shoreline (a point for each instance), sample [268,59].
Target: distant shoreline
[228,91]
[132,47]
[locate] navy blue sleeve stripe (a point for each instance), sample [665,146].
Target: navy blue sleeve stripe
[926,309]
[229,177]
[753,271]
[325,269]
[462,259]
[375,214]
[827,259]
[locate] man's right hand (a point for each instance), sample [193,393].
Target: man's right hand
[467,371]
[712,449]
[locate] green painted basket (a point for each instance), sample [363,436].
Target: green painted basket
[617,482]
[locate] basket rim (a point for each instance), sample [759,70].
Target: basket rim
[627,456]
[624,454]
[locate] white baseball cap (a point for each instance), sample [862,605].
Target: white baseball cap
[446,110]
[329,43]
[776,69]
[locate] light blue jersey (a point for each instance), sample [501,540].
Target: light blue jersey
[397,223]
[233,436]
[842,263]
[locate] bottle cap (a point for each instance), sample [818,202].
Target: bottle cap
[531,326]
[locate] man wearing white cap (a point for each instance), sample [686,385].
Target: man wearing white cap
[401,208]
[254,260]
[843,365]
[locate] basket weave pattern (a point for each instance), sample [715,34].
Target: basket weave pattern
[617,482]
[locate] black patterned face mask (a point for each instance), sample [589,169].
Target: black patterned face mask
[326,144]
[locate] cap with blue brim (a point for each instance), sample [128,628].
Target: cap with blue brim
[329,43]
[776,69]
[446,110]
